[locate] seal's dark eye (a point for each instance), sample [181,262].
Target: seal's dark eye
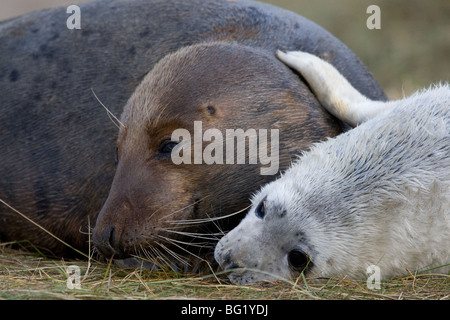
[260,210]
[167,146]
[298,260]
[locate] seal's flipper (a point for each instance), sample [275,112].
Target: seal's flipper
[332,90]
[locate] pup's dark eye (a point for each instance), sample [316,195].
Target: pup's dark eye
[166,147]
[298,260]
[260,210]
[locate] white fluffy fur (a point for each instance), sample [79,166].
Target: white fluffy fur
[333,91]
[377,194]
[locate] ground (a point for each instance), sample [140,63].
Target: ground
[409,52]
[25,275]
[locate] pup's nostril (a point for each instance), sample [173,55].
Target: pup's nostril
[233,265]
[228,263]
[227,257]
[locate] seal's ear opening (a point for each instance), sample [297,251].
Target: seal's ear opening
[298,260]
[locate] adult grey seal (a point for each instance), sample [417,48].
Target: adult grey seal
[378,194]
[57,164]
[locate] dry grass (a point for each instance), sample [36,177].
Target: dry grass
[25,275]
[409,52]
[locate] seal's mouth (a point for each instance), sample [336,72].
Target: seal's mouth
[177,249]
[181,246]
[184,240]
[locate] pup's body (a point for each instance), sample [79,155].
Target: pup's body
[376,195]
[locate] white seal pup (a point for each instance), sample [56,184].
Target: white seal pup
[378,194]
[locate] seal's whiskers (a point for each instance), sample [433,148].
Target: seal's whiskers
[180,247]
[111,116]
[206,220]
[183,208]
[192,244]
[175,255]
[197,235]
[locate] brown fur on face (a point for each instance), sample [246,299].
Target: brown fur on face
[226,86]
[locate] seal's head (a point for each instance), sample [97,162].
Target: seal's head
[155,207]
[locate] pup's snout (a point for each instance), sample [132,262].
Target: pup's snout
[226,261]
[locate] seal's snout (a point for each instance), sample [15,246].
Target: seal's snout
[106,242]
[102,241]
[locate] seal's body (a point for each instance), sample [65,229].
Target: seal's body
[378,194]
[57,163]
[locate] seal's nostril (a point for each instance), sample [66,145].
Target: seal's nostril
[109,234]
[105,242]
